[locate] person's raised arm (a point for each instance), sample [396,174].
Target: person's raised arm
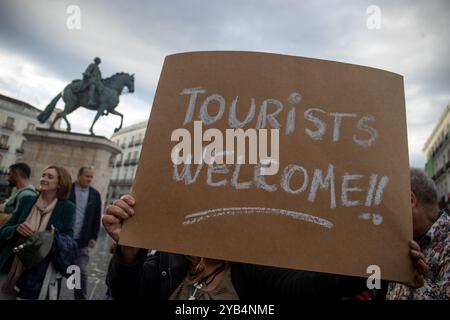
[113,219]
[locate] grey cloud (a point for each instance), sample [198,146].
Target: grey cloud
[135,36]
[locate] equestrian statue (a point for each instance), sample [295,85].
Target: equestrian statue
[93,93]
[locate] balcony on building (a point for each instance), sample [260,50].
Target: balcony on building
[4,147]
[126,162]
[119,163]
[133,161]
[8,126]
[125,182]
[441,171]
[113,182]
[440,145]
[20,150]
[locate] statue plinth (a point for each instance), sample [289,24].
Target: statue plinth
[44,147]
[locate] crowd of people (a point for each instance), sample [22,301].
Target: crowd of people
[49,229]
[64,219]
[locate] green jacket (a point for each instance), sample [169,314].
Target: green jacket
[63,219]
[13,202]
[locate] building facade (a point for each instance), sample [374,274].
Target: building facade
[16,117]
[437,153]
[129,139]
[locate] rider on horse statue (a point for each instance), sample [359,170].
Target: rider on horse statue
[93,93]
[93,78]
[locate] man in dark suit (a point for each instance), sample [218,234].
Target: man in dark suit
[87,223]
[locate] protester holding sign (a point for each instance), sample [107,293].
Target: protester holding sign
[280,163]
[432,231]
[135,274]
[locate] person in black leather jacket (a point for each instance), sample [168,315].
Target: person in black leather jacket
[139,274]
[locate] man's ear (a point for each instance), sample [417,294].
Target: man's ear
[413,200]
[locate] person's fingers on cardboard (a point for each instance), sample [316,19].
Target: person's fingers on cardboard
[422,267]
[124,206]
[111,224]
[419,280]
[117,211]
[416,255]
[110,220]
[129,199]
[414,245]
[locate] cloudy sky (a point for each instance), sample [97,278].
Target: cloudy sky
[39,54]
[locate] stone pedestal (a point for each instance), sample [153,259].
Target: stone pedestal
[71,150]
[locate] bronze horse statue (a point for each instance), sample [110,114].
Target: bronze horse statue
[75,95]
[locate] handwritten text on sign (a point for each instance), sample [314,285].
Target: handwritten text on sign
[214,152]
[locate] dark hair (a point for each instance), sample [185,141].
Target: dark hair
[81,170]
[22,169]
[64,181]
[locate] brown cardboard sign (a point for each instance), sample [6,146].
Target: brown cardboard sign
[339,199]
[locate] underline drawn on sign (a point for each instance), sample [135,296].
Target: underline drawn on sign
[201,215]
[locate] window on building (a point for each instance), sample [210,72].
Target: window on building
[20,149]
[111,161]
[9,123]
[4,140]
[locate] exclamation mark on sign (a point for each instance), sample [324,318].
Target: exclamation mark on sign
[376,218]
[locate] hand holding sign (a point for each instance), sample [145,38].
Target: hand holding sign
[119,212]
